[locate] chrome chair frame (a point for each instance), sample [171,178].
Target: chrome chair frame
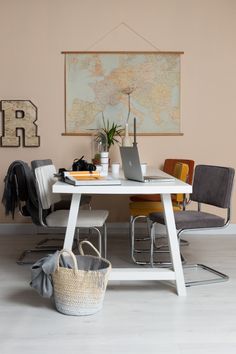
[221,276]
[22,258]
[156,249]
[153,246]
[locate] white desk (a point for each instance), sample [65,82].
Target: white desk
[130,188]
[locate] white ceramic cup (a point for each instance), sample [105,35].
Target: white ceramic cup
[115,169]
[144,168]
[104,171]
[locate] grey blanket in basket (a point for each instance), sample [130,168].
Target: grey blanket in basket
[41,279]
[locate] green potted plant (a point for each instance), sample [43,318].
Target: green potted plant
[111,131]
[104,138]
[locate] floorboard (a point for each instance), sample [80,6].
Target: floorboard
[136,317]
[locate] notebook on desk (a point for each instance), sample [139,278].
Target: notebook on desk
[91,179]
[132,167]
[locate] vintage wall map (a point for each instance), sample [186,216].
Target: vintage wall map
[121,86]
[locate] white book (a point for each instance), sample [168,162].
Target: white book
[108,180]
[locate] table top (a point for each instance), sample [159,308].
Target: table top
[126,187]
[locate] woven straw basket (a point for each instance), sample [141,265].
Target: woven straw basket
[80,291]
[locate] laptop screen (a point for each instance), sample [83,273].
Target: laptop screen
[132,167]
[131,163]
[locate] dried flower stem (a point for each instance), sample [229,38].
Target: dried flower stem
[127,119]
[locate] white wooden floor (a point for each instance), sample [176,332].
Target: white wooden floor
[136,318]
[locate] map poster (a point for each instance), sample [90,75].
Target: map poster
[118,86]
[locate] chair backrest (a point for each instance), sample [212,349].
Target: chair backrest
[213,185]
[45,180]
[181,171]
[169,166]
[39,163]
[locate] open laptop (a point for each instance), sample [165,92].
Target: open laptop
[132,167]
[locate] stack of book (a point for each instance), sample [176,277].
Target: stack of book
[80,178]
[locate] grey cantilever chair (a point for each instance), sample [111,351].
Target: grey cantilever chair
[212,186]
[89,219]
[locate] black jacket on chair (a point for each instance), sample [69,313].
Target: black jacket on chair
[20,189]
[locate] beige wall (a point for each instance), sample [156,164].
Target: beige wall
[33,34]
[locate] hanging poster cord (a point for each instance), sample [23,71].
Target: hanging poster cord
[122,24]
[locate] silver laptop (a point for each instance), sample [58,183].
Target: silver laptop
[132,167]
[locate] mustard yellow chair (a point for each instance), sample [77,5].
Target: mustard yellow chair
[142,209]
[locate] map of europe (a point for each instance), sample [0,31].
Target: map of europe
[120,86]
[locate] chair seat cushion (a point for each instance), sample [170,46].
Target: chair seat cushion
[191,219]
[149,198]
[86,218]
[145,208]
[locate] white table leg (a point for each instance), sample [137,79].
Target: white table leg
[174,244]
[70,230]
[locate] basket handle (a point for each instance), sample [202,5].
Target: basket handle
[91,245]
[72,256]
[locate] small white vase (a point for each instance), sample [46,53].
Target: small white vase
[126,141]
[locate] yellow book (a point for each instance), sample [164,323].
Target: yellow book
[84,175]
[89,179]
